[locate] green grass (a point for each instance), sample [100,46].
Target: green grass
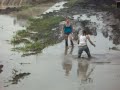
[43,25]
[43,36]
[73,2]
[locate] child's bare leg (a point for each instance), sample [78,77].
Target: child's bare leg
[71,39]
[66,40]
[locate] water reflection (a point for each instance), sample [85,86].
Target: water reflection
[67,62]
[106,23]
[82,71]
[15,21]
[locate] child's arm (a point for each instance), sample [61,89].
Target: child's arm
[90,41]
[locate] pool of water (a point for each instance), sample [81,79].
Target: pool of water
[53,69]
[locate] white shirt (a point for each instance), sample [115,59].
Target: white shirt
[83,40]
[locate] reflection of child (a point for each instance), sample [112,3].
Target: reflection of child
[82,70]
[67,62]
[67,66]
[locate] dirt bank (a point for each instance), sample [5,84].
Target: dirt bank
[29,9]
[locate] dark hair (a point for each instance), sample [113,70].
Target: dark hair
[84,32]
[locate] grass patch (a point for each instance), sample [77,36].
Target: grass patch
[20,37]
[44,24]
[74,2]
[26,7]
[39,32]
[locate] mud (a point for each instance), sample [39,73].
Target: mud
[9,10]
[56,64]
[59,69]
[11,6]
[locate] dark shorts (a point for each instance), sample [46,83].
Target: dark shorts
[67,33]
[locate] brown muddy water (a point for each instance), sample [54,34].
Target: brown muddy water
[56,68]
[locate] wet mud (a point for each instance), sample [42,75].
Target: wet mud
[9,10]
[58,68]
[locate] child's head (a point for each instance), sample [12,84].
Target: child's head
[84,32]
[67,20]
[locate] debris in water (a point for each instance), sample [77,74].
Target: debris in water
[1,66]
[101,62]
[17,77]
[114,48]
[24,63]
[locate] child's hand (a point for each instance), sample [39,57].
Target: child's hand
[94,45]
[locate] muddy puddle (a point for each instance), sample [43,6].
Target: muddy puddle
[57,68]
